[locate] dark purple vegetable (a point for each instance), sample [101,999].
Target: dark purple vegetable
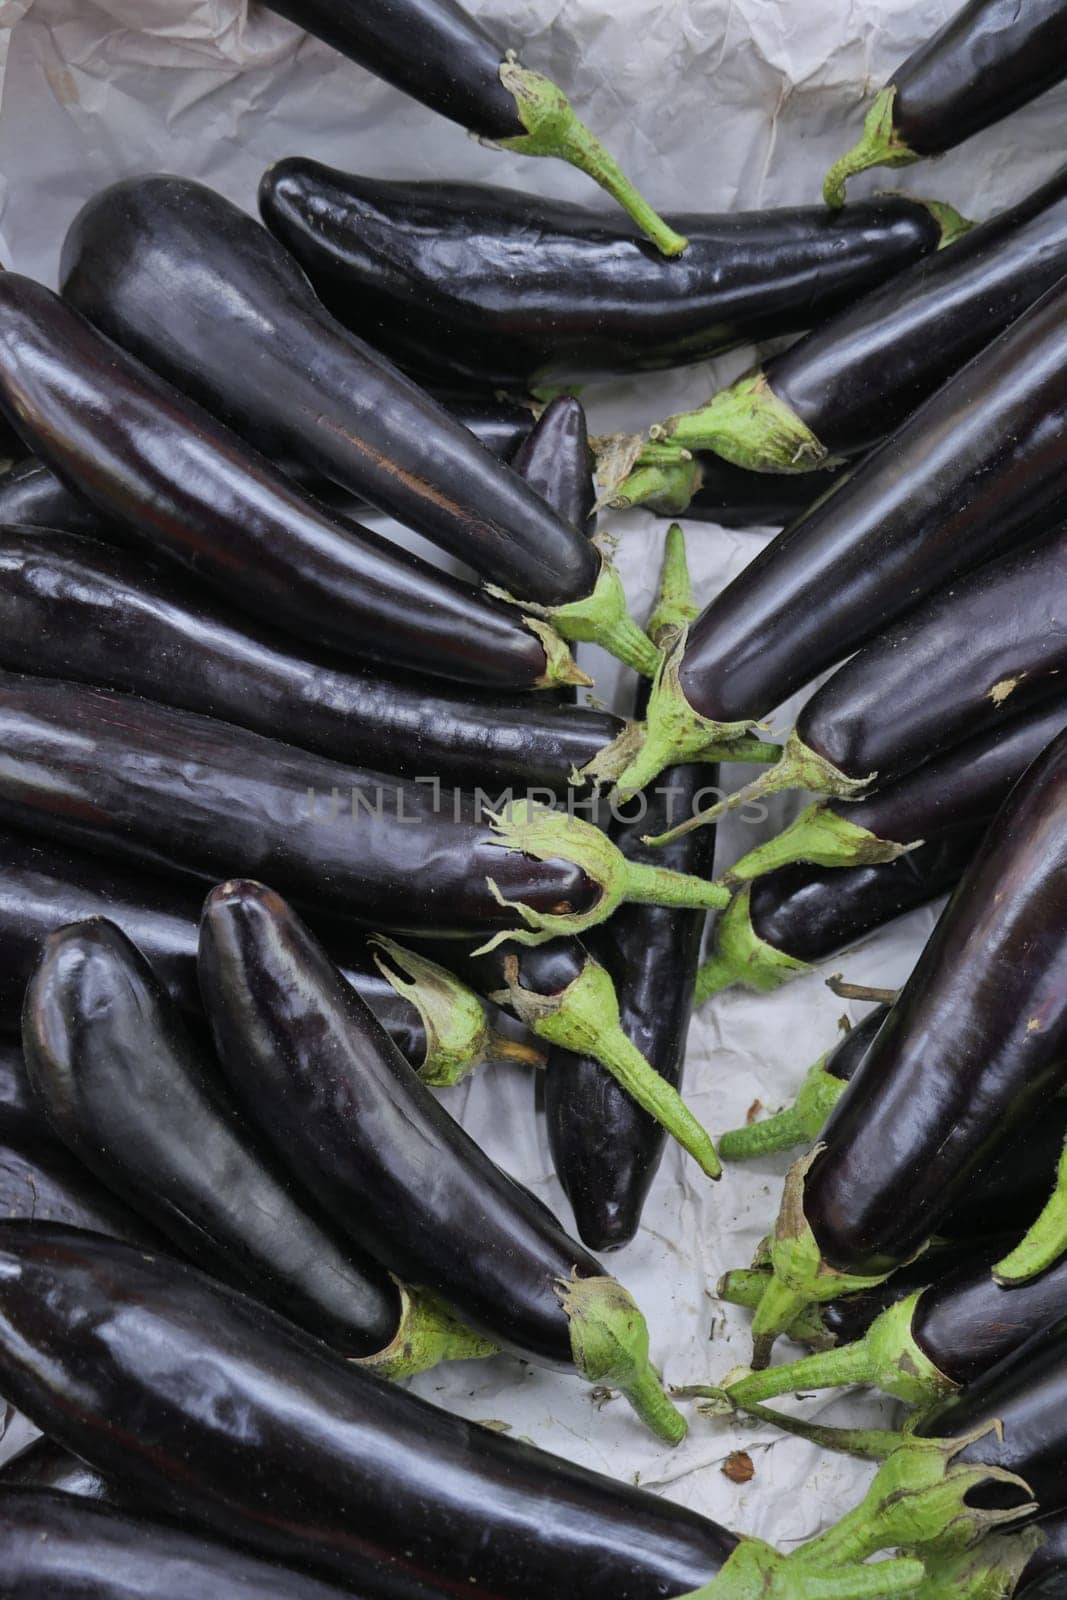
[131,1095]
[167,788]
[708,489]
[556,460]
[978,463]
[149,459]
[53,1544]
[778,927]
[319,1078]
[33,497]
[975,1045]
[303,1457]
[959,789]
[70,607]
[1045,1571]
[204,295]
[46,1465]
[990,58]
[434,51]
[501,288]
[40,1181]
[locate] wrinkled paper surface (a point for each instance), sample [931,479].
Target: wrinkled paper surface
[709,104]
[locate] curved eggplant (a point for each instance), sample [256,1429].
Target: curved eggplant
[319,1078]
[46,1465]
[990,58]
[981,461]
[31,496]
[500,288]
[975,1045]
[72,608]
[168,788]
[182,484]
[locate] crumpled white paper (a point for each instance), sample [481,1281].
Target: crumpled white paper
[709,104]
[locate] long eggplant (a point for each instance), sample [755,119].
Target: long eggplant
[990,58]
[40,1181]
[182,484]
[990,644]
[856,377]
[495,287]
[984,458]
[130,1094]
[54,1544]
[216,1411]
[777,928]
[961,788]
[46,1465]
[203,294]
[434,51]
[319,1078]
[975,1045]
[442,1028]
[31,496]
[605,1148]
[170,789]
[73,608]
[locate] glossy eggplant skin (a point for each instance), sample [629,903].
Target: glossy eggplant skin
[493,286]
[40,1181]
[73,608]
[314,1071]
[429,49]
[58,1543]
[986,647]
[965,1323]
[304,1458]
[982,458]
[989,59]
[962,787]
[850,1317]
[975,1045]
[556,461]
[810,913]
[204,295]
[46,1465]
[735,498]
[170,789]
[33,497]
[133,1097]
[1014,1185]
[854,379]
[146,457]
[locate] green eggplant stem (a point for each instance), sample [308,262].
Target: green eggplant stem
[738,955]
[756,1571]
[880,145]
[666,487]
[674,608]
[1045,1241]
[838,985]
[428,1332]
[600,617]
[819,837]
[991,1571]
[609,1343]
[797,1124]
[744,1286]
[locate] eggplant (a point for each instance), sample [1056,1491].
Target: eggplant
[40,1181]
[169,789]
[31,496]
[126,1089]
[436,52]
[203,294]
[556,460]
[974,1047]
[704,488]
[961,788]
[854,379]
[605,1147]
[986,61]
[46,1465]
[777,928]
[443,1029]
[1043,1576]
[320,1079]
[987,646]
[220,1413]
[73,608]
[183,485]
[499,288]
[21,1117]
[927,1345]
[67,1548]
[981,461]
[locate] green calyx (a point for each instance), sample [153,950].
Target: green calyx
[674,608]
[671,733]
[823,837]
[740,956]
[609,1343]
[553,128]
[953,224]
[756,1571]
[561,669]
[584,1019]
[428,1333]
[799,767]
[800,1123]
[1046,1240]
[799,1275]
[598,618]
[666,488]
[748,425]
[887,1357]
[548,835]
[459,1036]
[990,1571]
[879,146]
[744,1286]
